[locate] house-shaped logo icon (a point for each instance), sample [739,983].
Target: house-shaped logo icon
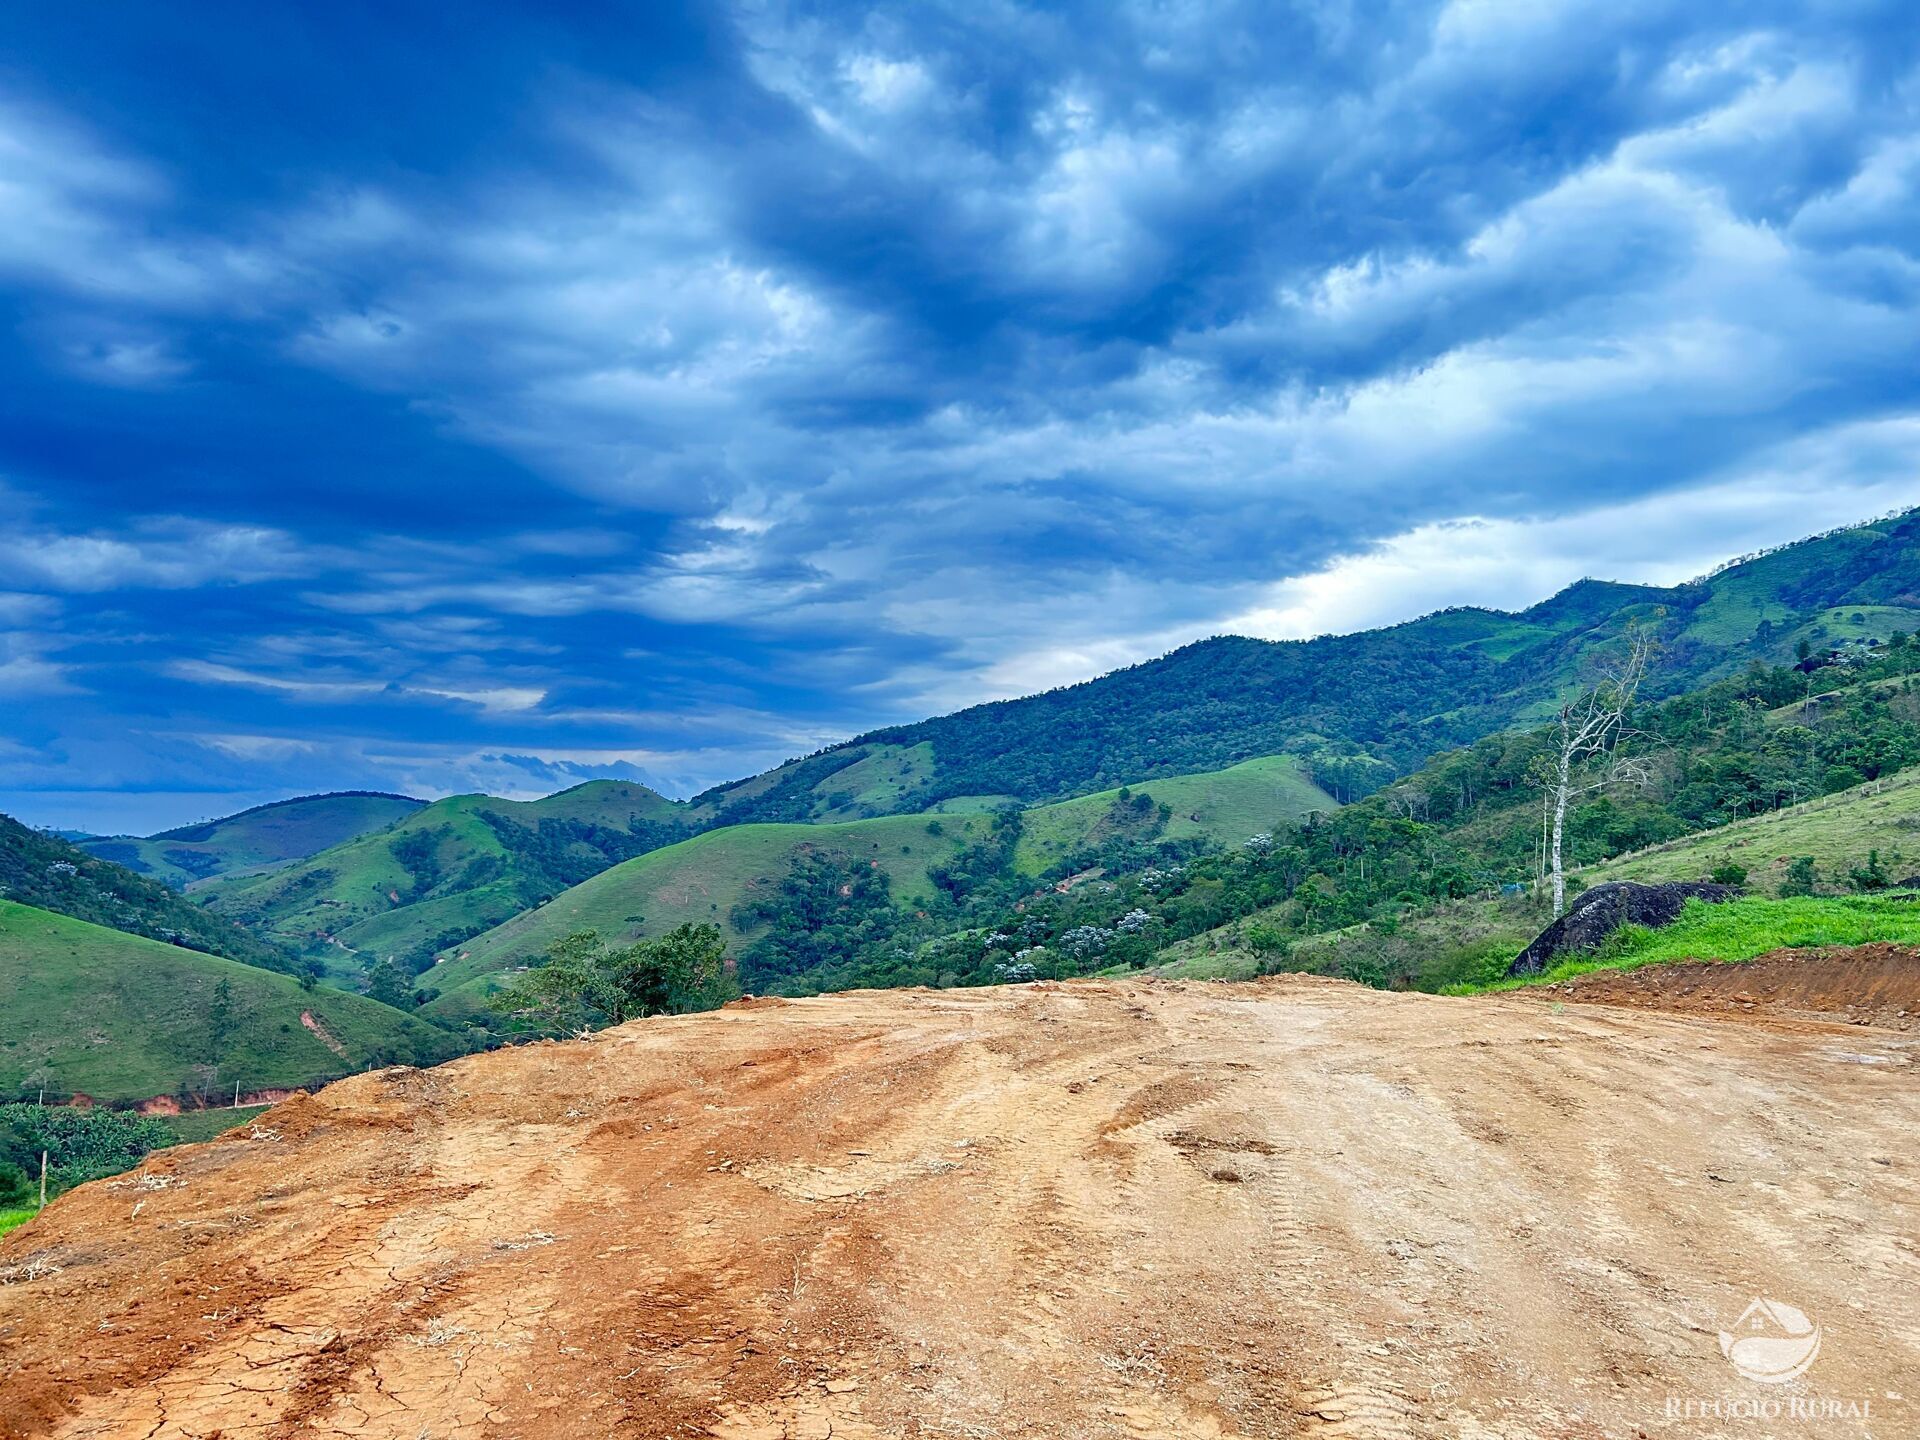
[1771,1342]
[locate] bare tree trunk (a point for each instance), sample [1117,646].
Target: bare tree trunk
[1560,790]
[1592,728]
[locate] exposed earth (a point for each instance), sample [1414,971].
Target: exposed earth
[1113,1208]
[1876,985]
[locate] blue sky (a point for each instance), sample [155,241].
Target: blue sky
[491,398]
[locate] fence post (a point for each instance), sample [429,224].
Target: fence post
[43,1179]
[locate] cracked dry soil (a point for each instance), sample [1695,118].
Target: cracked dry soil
[1099,1209]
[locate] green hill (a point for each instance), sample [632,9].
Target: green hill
[1221,807]
[42,870]
[1836,831]
[721,876]
[446,871]
[1357,709]
[119,1017]
[1732,768]
[1353,712]
[259,839]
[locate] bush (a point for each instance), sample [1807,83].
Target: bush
[1801,878]
[1727,872]
[586,984]
[16,1189]
[1265,939]
[1870,876]
[81,1145]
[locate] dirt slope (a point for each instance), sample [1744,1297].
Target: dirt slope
[1876,985]
[1103,1209]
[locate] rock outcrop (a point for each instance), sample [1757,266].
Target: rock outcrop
[1604,909]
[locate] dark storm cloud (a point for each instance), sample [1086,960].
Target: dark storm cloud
[498,399]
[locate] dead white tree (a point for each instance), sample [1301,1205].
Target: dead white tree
[1587,754]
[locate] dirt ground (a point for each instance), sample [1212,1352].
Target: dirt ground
[1875,985]
[1104,1209]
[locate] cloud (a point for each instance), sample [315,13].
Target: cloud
[785,371]
[169,554]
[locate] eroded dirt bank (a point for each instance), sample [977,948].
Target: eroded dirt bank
[1103,1209]
[1876,985]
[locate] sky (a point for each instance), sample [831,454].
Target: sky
[440,399]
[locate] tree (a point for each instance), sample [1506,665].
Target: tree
[1801,878]
[389,984]
[587,984]
[219,1021]
[1871,876]
[1585,754]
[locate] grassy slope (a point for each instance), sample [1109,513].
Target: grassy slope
[1740,930]
[1836,830]
[1222,805]
[120,1017]
[360,894]
[254,840]
[702,879]
[698,880]
[49,873]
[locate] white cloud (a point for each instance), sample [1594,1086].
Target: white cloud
[167,554]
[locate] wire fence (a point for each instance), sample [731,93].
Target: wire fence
[221,1095]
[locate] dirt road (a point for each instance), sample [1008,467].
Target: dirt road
[1097,1210]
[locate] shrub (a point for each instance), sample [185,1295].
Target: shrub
[1801,878]
[81,1144]
[1870,876]
[1265,939]
[1728,872]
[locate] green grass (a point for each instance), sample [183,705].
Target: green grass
[1836,830]
[1736,931]
[878,784]
[120,1018]
[704,878]
[699,880]
[1223,806]
[255,840]
[359,892]
[14,1219]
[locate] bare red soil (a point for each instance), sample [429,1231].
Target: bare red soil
[1103,1209]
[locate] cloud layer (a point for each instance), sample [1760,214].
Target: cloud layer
[665,395]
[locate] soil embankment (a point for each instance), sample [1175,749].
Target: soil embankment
[1877,985]
[1104,1209]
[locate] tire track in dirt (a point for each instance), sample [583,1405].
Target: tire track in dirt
[1098,1210]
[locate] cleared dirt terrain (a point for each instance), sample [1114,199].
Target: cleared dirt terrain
[1099,1209]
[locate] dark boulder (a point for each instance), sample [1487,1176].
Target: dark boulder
[1592,917]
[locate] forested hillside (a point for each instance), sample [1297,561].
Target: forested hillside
[814,907]
[42,870]
[1466,825]
[1789,781]
[257,839]
[377,908]
[1361,709]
